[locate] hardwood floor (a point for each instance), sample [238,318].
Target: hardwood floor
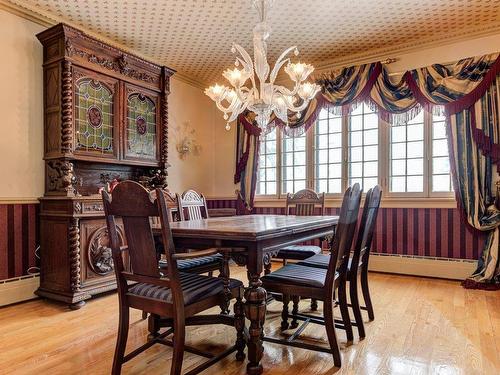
[422,326]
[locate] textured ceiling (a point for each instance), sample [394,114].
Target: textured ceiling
[195,36]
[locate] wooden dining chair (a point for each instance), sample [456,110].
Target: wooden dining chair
[318,283]
[203,264]
[358,263]
[305,202]
[172,294]
[207,264]
[192,205]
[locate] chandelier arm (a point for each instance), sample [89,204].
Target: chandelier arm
[247,62]
[300,108]
[229,108]
[284,91]
[279,63]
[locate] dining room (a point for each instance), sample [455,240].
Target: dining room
[250,187]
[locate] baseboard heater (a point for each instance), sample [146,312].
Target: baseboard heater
[18,289]
[445,268]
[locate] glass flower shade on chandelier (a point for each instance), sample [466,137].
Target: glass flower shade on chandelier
[266,98]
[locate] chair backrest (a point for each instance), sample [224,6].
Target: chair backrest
[135,206]
[366,228]
[192,206]
[305,202]
[173,207]
[344,234]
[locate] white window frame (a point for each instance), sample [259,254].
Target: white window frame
[383,166]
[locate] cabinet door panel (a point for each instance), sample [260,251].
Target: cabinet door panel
[95,112]
[96,258]
[141,125]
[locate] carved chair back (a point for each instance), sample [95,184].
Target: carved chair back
[366,229]
[305,202]
[192,206]
[342,242]
[172,204]
[135,206]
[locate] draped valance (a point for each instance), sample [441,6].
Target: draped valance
[466,92]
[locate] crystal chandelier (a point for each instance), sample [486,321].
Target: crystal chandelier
[266,97]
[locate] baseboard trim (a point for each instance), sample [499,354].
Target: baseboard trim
[444,268]
[19,289]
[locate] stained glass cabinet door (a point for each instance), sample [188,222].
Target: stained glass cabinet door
[95,115]
[141,131]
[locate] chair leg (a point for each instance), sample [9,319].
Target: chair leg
[295,310]
[284,313]
[210,273]
[344,311]
[178,340]
[267,265]
[224,275]
[353,292]
[144,315]
[121,342]
[239,322]
[366,294]
[314,304]
[330,332]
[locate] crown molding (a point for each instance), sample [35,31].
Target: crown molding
[393,51]
[47,20]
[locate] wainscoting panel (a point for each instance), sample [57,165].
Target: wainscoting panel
[424,232]
[18,239]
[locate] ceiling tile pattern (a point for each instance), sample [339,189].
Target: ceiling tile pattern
[195,36]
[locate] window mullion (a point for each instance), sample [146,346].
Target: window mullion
[279,162]
[345,151]
[310,158]
[427,153]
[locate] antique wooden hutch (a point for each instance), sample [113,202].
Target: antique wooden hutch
[105,119]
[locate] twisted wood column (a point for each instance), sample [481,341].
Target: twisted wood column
[67,109]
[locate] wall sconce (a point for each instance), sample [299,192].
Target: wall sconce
[186,143]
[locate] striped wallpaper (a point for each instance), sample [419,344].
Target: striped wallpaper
[430,232]
[18,239]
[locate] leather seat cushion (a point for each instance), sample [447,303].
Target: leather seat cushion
[194,287]
[320,261]
[294,274]
[298,252]
[185,265]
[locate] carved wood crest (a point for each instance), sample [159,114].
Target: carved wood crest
[60,176]
[305,194]
[99,255]
[119,65]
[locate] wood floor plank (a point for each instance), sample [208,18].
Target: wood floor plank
[422,326]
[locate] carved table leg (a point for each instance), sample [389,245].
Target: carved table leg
[255,311]
[224,275]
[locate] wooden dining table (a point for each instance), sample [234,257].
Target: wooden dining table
[253,240]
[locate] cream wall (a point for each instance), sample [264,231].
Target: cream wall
[189,105]
[21,106]
[21,128]
[225,141]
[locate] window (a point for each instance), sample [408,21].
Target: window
[293,163]
[328,153]
[338,151]
[267,165]
[441,176]
[363,147]
[406,156]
